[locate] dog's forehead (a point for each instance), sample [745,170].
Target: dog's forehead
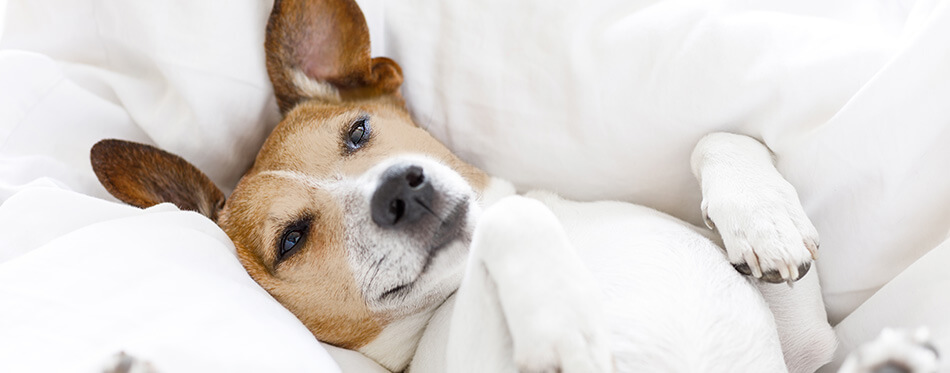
[306,140]
[310,138]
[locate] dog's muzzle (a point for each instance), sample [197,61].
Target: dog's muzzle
[403,197]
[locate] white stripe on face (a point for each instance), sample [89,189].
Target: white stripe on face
[302,178]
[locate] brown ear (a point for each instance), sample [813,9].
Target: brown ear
[319,49]
[144,176]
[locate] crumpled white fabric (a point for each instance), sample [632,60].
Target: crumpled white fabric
[94,278]
[186,76]
[599,99]
[605,99]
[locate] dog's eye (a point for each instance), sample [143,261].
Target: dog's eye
[358,133]
[292,239]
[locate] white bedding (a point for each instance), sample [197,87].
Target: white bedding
[160,284]
[592,99]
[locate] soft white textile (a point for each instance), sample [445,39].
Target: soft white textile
[160,284]
[187,76]
[590,98]
[916,297]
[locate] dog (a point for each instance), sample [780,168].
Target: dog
[381,240]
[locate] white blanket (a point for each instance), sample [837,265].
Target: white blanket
[161,285]
[592,99]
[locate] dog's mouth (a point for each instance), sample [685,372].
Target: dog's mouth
[450,230]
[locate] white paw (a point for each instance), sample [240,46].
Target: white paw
[764,228]
[550,301]
[561,338]
[894,351]
[125,363]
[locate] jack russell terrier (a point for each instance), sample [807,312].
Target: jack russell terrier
[382,241]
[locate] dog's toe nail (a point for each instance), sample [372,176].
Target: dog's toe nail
[892,367]
[931,347]
[743,268]
[773,276]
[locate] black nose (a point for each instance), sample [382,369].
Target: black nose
[403,197]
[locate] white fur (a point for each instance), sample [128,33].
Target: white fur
[302,178]
[125,363]
[314,89]
[542,274]
[397,342]
[554,316]
[367,243]
[754,208]
[657,301]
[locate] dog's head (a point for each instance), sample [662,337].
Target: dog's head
[352,216]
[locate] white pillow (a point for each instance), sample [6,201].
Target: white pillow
[184,75]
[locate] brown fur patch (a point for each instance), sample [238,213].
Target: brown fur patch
[316,284]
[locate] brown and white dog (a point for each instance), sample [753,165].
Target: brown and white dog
[382,241]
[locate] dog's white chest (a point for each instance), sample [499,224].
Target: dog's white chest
[672,301]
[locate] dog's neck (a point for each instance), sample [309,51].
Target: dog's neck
[396,345]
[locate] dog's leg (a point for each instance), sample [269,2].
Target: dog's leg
[756,211]
[808,341]
[478,339]
[766,234]
[544,305]
[894,351]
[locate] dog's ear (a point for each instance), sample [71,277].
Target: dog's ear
[319,49]
[144,176]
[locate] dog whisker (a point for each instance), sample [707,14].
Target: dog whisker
[377,265]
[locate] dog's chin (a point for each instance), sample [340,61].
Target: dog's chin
[440,277]
[444,267]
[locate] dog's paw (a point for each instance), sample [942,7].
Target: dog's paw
[550,300]
[764,229]
[894,351]
[561,339]
[125,363]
